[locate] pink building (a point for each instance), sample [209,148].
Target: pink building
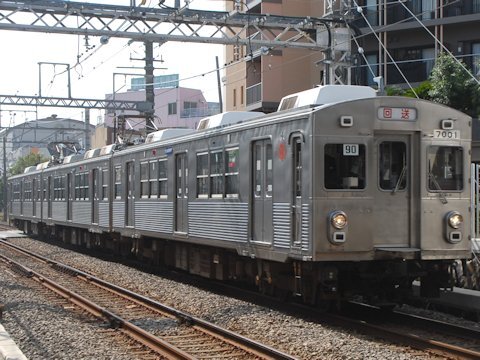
[174,107]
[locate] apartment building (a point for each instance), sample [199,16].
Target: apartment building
[260,83]
[407,30]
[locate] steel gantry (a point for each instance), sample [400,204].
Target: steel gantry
[162,24]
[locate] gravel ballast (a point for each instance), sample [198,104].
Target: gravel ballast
[47,331]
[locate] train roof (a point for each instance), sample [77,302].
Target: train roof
[327,94]
[167,134]
[227,118]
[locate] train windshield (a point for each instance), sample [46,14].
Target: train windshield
[445,168]
[344,166]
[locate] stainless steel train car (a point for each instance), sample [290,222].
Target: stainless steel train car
[338,194]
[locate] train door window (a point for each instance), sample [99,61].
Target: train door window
[104,184]
[258,179]
[231,173]
[118,182]
[217,173]
[269,172]
[62,186]
[445,168]
[144,179]
[77,186]
[162,179]
[344,166]
[297,163]
[45,190]
[202,175]
[393,165]
[153,176]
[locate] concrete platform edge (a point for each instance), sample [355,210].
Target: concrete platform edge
[8,349]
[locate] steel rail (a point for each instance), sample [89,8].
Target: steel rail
[251,346]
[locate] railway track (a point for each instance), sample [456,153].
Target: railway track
[164,330]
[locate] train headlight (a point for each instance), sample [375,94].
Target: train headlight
[455,219]
[338,219]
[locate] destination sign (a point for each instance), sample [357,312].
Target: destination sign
[391,113]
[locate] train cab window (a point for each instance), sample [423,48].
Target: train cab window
[231,172]
[216,173]
[145,181]
[162,179]
[269,173]
[202,175]
[118,182]
[445,168]
[393,165]
[344,166]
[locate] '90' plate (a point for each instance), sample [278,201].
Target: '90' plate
[446,134]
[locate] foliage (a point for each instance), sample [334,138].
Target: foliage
[29,160]
[453,86]
[422,91]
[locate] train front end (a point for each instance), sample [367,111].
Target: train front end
[392,196]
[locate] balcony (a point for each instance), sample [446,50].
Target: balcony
[254,94]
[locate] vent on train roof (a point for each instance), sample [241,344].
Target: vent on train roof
[166,134]
[29,169]
[327,94]
[227,118]
[43,165]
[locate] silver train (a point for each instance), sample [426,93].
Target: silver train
[339,193]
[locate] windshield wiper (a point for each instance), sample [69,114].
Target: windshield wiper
[443,197]
[400,179]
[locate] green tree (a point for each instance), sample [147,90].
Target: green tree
[29,160]
[453,86]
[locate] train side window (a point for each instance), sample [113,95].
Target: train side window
[144,180]
[344,166]
[216,173]
[105,184]
[153,176]
[231,172]
[393,165]
[118,182]
[202,175]
[445,168]
[162,179]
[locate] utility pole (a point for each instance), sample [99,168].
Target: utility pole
[149,88]
[219,84]
[87,129]
[5,197]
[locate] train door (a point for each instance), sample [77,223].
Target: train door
[130,194]
[262,191]
[68,196]
[49,196]
[181,198]
[34,197]
[392,205]
[95,196]
[296,191]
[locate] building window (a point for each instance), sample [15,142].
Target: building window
[172,108]
[236,52]
[234,97]
[189,108]
[242,90]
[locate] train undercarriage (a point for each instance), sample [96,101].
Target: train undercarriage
[321,284]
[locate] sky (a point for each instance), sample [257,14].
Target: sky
[21,53]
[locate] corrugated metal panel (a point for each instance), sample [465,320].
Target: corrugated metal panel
[38,209]
[154,216]
[281,225]
[103,214]
[305,227]
[82,212]
[59,211]
[16,208]
[27,209]
[218,220]
[118,214]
